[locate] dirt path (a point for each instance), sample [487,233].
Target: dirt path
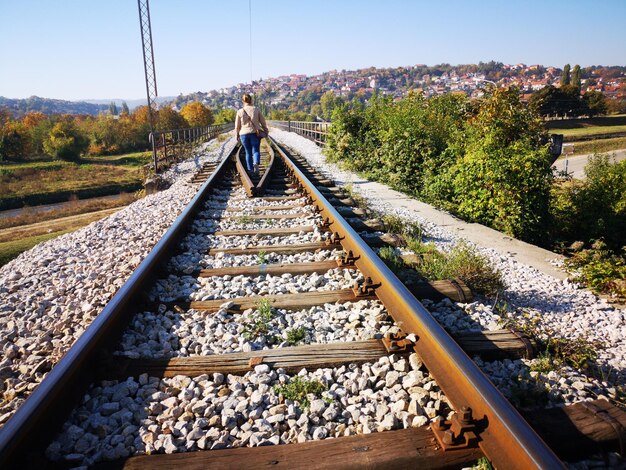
[48,226]
[59,205]
[576,164]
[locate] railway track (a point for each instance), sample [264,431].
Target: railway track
[243,307]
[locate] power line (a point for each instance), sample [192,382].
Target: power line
[250,33]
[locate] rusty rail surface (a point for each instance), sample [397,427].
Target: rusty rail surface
[505,437]
[315,131]
[171,145]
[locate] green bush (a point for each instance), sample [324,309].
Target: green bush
[482,160]
[65,141]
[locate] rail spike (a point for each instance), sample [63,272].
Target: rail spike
[459,432]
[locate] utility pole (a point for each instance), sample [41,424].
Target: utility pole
[148,65]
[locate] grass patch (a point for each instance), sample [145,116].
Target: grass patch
[579,353]
[12,249]
[300,390]
[391,258]
[244,219]
[359,200]
[397,225]
[600,269]
[462,262]
[262,257]
[598,146]
[50,226]
[482,464]
[260,319]
[526,393]
[590,131]
[296,335]
[601,121]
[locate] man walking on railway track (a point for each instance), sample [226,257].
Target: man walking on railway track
[249,125]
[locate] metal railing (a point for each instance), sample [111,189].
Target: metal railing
[315,131]
[172,145]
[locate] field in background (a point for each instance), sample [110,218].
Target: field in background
[597,125]
[596,135]
[49,182]
[599,146]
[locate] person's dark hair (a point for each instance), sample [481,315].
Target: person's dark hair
[247,98]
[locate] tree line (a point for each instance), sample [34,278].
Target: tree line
[486,160]
[567,100]
[69,137]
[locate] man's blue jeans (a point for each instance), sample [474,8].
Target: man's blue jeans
[251,143]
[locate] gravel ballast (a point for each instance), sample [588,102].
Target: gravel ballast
[152,415]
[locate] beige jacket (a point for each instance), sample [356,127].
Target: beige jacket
[243,125]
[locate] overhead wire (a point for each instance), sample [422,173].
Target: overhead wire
[250,34]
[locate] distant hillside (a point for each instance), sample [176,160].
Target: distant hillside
[132,104]
[303,93]
[19,107]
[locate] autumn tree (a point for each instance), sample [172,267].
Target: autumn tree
[65,141]
[170,119]
[329,102]
[37,125]
[13,141]
[197,115]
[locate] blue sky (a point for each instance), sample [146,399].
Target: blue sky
[82,49]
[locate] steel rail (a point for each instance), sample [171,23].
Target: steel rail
[248,185]
[507,439]
[267,175]
[43,411]
[246,181]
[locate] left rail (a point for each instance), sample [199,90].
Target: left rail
[39,417]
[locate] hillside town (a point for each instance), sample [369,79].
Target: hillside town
[471,79]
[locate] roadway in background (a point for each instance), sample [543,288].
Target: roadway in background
[576,164]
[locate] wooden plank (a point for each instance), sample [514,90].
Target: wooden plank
[579,430]
[360,225]
[293,359]
[270,198]
[498,344]
[268,216]
[405,448]
[278,231]
[455,289]
[273,269]
[284,249]
[284,207]
[287,301]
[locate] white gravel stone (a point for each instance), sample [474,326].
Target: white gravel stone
[239,411]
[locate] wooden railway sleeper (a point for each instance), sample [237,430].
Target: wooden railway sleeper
[459,432]
[615,424]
